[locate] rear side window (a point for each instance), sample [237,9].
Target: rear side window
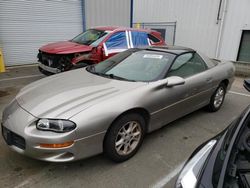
[209,62]
[153,39]
[186,65]
[139,39]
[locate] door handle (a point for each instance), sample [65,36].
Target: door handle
[209,80]
[195,89]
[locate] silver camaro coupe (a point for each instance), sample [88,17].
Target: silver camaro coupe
[109,107]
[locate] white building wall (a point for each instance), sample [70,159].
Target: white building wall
[107,13]
[196,20]
[237,19]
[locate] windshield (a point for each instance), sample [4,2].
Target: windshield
[144,65]
[91,36]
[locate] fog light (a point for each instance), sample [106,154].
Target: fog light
[62,145]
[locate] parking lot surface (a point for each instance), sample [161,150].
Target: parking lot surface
[155,165]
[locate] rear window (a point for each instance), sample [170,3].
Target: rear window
[153,38]
[210,62]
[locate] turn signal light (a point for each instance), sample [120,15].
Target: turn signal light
[62,145]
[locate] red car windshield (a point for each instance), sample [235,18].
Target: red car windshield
[90,37]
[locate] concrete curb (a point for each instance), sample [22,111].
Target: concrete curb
[242,68]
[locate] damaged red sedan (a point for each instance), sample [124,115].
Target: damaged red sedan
[93,46]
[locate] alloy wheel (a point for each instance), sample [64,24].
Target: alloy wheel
[128,138]
[219,96]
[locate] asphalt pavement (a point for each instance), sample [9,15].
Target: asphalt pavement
[155,165]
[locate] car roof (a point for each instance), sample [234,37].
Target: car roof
[117,28]
[106,28]
[171,49]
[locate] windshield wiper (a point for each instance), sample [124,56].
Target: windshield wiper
[112,76]
[91,69]
[119,78]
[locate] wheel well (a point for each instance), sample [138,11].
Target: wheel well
[226,82]
[143,112]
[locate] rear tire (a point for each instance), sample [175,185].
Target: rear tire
[217,98]
[124,137]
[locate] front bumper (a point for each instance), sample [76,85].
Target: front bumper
[22,125]
[49,69]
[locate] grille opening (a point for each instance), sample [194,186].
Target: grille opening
[14,139]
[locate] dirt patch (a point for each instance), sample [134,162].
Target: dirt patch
[18,169]
[4,93]
[9,91]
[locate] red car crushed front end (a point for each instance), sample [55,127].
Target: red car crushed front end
[87,48]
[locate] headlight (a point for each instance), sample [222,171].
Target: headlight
[56,125]
[190,173]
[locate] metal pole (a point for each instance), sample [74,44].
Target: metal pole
[83,15]
[221,29]
[131,12]
[218,14]
[174,32]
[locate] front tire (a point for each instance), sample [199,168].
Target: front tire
[124,137]
[217,98]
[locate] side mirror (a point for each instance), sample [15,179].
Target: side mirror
[246,84]
[174,81]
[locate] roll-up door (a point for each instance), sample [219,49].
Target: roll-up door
[244,50]
[27,25]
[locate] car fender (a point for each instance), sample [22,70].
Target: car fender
[100,116]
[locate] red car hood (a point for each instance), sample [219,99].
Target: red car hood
[65,47]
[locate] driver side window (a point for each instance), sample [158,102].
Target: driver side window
[187,65]
[118,42]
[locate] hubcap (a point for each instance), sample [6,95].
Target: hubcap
[219,96]
[128,138]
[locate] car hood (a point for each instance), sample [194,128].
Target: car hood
[65,47]
[65,94]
